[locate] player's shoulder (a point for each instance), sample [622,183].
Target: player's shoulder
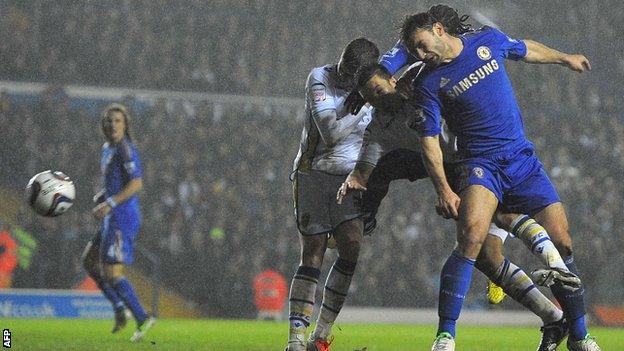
[485,33]
[105,146]
[424,76]
[127,148]
[321,75]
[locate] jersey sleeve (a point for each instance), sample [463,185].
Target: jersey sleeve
[512,49]
[131,161]
[318,94]
[427,108]
[396,58]
[371,149]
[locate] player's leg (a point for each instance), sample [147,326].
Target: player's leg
[91,262]
[303,289]
[347,229]
[554,219]
[397,164]
[348,237]
[533,235]
[517,284]
[537,196]
[114,274]
[117,250]
[475,214]
[537,240]
[313,223]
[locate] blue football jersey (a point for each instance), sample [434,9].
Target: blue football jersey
[397,58]
[120,163]
[475,95]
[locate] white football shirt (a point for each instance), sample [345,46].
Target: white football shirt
[323,94]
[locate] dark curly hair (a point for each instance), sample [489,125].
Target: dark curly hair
[453,23]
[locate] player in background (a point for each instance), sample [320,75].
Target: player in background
[390,151]
[467,79]
[330,143]
[118,208]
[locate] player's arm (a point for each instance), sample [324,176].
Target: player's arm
[324,113]
[370,152]
[132,168]
[448,201]
[533,52]
[356,180]
[396,58]
[133,187]
[404,83]
[540,53]
[428,125]
[334,129]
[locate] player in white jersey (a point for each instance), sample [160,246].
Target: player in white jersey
[330,143]
[391,151]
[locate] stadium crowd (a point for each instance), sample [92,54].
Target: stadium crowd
[265,47]
[217,203]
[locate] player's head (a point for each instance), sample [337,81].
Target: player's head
[358,53]
[428,34]
[115,123]
[378,87]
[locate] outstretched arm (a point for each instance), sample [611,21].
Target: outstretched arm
[540,53]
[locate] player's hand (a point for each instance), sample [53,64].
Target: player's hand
[354,102]
[448,205]
[352,183]
[100,211]
[577,63]
[404,86]
[99,197]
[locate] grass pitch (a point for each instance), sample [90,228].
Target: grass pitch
[225,335]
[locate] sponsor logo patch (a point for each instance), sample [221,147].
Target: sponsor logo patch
[318,93]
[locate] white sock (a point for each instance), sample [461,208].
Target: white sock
[535,237]
[517,284]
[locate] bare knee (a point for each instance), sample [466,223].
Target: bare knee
[312,250]
[349,239]
[504,220]
[470,239]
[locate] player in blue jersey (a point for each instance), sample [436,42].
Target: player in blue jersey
[118,208]
[390,151]
[466,80]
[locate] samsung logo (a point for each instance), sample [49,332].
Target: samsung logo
[473,78]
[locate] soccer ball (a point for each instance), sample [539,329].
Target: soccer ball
[50,193]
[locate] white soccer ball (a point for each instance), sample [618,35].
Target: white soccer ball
[50,193]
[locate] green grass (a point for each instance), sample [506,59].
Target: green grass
[223,335]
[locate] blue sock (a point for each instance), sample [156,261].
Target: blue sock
[125,290]
[108,291]
[573,304]
[454,285]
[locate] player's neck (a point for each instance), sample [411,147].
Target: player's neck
[454,48]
